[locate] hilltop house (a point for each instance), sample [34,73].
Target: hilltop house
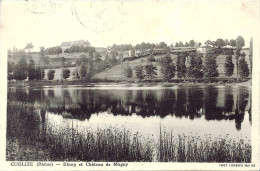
[65,45]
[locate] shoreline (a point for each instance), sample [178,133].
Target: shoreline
[139,84]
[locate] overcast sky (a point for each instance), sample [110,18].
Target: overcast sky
[127,22]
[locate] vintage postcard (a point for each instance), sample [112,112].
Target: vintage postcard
[129,85]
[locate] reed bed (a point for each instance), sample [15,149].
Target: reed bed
[26,128]
[109,144]
[195,148]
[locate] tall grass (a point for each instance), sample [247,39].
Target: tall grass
[109,144]
[25,126]
[194,148]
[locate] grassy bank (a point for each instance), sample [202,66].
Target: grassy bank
[30,138]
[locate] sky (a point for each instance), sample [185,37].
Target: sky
[104,23]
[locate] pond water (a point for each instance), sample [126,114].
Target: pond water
[192,110]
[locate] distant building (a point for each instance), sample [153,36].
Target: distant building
[131,52]
[65,45]
[202,49]
[227,47]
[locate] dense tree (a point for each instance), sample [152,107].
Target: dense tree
[113,61]
[72,49]
[188,65]
[162,45]
[167,68]
[54,50]
[181,68]
[229,66]
[138,46]
[20,69]
[226,42]
[128,72]
[82,70]
[176,44]
[243,67]
[197,66]
[50,74]
[232,43]
[192,43]
[209,42]
[150,71]
[43,61]
[65,73]
[219,43]
[210,68]
[181,44]
[31,70]
[97,62]
[139,72]
[240,42]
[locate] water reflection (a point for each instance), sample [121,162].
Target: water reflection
[214,103]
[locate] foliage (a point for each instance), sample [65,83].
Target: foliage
[192,43]
[243,67]
[232,43]
[139,71]
[82,70]
[150,71]
[181,44]
[210,68]
[181,68]
[53,50]
[240,42]
[65,73]
[229,66]
[50,74]
[44,60]
[77,49]
[219,43]
[122,47]
[31,70]
[29,46]
[197,66]
[151,59]
[128,72]
[167,68]
[113,61]
[20,69]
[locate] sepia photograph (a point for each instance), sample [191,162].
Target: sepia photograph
[127,82]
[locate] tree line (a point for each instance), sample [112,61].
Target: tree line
[189,65]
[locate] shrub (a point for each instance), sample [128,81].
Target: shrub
[65,73]
[50,74]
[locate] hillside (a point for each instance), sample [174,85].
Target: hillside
[115,73]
